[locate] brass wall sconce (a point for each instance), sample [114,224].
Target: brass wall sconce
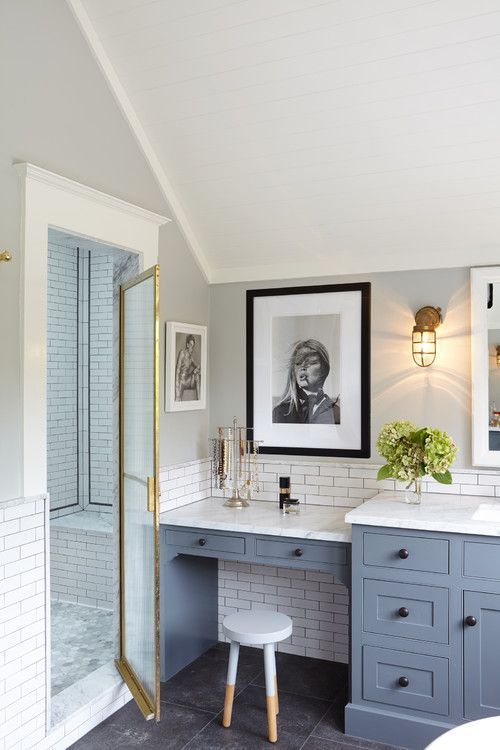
[5,255]
[423,338]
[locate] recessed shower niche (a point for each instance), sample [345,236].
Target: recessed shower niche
[83,334]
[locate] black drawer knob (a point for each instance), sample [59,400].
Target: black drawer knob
[403,681]
[403,611]
[202,542]
[403,554]
[470,621]
[299,552]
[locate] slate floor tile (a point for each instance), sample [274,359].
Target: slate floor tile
[202,684]
[127,729]
[312,677]
[331,728]
[297,718]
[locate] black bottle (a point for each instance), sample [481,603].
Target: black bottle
[284,495]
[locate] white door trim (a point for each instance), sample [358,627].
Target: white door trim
[50,200]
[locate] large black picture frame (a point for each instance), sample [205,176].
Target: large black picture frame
[364,288]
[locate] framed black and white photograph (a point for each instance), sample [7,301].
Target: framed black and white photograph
[308,369]
[185,367]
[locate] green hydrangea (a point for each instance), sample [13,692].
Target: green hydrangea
[413,452]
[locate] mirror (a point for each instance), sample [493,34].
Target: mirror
[485,336]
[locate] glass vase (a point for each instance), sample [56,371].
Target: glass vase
[413,494]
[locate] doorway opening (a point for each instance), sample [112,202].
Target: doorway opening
[83,335]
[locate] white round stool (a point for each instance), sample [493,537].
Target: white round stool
[255,628]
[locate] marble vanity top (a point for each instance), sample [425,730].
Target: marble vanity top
[313,521]
[460,514]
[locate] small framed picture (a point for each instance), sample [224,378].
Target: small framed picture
[185,367]
[308,369]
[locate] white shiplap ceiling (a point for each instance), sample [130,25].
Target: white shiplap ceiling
[301,138]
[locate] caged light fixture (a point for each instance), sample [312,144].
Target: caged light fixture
[423,338]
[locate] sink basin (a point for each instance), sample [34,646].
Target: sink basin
[487,512]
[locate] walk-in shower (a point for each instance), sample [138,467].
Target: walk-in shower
[83,294]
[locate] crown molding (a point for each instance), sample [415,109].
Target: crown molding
[118,91]
[32,172]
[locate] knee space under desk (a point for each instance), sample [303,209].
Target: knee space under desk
[189,580]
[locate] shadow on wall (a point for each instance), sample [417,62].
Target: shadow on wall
[438,396]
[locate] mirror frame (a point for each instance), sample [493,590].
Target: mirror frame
[479,280]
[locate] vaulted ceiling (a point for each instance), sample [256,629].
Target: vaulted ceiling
[309,137]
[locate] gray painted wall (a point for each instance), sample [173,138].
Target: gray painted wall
[184,298]
[438,396]
[61,116]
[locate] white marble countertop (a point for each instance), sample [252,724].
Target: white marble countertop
[313,521]
[461,514]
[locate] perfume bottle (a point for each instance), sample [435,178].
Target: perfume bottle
[284,493]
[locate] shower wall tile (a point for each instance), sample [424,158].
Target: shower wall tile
[62,439]
[82,566]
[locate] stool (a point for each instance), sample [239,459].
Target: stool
[255,628]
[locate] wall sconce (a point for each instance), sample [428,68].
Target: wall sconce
[498,355]
[423,338]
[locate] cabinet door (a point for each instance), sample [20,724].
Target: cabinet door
[481,654]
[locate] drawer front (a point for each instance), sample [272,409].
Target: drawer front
[406,552]
[302,552]
[427,683]
[206,541]
[482,560]
[406,610]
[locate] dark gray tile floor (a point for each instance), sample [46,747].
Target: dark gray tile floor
[312,698]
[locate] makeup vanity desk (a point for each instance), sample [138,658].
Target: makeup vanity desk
[425,599]
[193,538]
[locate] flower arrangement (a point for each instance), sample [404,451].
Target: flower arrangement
[412,453]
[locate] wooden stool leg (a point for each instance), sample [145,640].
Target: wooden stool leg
[270,672]
[232,669]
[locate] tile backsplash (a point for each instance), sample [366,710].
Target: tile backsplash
[316,602]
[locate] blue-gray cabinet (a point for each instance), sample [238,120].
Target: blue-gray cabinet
[425,645]
[189,580]
[482,655]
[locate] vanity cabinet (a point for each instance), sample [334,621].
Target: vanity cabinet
[481,654]
[425,633]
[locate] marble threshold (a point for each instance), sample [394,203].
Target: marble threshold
[83,692]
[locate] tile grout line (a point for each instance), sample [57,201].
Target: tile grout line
[316,726]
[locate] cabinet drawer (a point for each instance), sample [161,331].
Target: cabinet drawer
[406,552]
[206,541]
[302,552]
[427,679]
[406,610]
[482,560]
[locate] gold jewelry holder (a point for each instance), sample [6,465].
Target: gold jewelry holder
[234,463]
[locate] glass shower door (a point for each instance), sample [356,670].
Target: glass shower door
[139,662]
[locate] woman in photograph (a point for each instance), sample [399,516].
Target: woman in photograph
[304,401]
[187,371]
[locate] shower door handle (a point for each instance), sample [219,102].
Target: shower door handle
[151,494]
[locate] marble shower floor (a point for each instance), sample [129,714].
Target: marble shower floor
[81,642]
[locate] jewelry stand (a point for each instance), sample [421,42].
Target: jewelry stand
[234,463]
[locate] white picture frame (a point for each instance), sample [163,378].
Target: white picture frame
[185,367]
[480,279]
